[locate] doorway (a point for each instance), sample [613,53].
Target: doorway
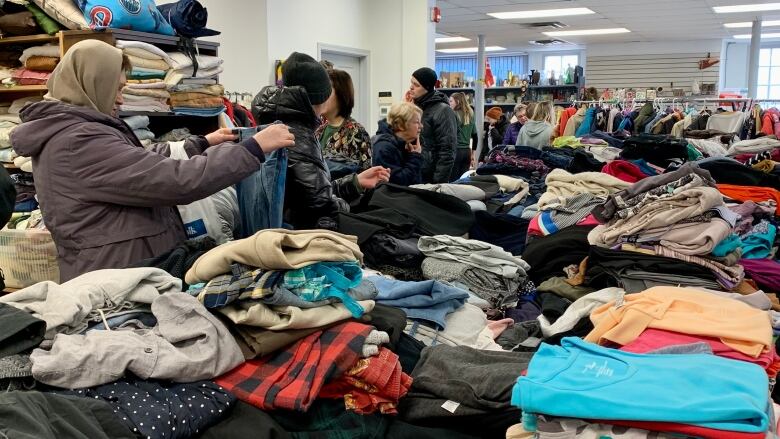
[354,62]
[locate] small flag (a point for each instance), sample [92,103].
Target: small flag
[489,79]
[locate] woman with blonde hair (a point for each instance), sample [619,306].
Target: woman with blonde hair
[397,144]
[467,132]
[520,114]
[537,132]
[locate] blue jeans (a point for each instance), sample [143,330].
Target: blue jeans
[261,195]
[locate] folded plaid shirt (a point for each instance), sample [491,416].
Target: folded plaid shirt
[242,283]
[292,378]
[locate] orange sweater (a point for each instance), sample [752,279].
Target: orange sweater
[687,311]
[752,193]
[565,116]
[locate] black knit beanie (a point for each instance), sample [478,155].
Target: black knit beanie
[426,77]
[303,70]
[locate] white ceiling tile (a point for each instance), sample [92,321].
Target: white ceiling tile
[657,20]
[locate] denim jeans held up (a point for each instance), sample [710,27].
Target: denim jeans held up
[261,195]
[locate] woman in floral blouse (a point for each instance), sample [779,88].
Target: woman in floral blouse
[346,146]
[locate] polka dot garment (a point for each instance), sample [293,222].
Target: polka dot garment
[161,410]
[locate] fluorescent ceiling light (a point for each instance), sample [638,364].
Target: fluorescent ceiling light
[763,36]
[749,24]
[451,39]
[543,13]
[574,33]
[746,8]
[471,49]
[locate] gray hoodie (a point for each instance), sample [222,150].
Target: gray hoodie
[535,134]
[107,201]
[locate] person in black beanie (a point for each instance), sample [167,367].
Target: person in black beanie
[311,200]
[439,135]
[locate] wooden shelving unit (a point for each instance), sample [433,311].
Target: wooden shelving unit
[31,39]
[23,89]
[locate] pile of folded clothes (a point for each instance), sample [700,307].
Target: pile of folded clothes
[25,192]
[194,88]
[287,297]
[392,218]
[41,58]
[634,350]
[569,199]
[140,126]
[145,89]
[679,215]
[488,272]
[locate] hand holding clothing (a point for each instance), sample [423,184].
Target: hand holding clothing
[276,136]
[371,177]
[221,136]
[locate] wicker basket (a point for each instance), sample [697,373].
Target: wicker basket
[28,257]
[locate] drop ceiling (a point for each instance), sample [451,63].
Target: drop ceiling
[648,20]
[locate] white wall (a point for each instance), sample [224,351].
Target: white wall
[243,42]
[398,35]
[655,48]
[735,57]
[651,65]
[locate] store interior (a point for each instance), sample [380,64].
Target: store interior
[409,219]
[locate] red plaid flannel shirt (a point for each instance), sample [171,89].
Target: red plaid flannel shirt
[291,379]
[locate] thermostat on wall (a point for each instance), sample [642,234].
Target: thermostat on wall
[385,97]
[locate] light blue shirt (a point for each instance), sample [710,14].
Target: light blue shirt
[586,381]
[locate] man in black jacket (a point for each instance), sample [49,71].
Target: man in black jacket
[311,200]
[440,126]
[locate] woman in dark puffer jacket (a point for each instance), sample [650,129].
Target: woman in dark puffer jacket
[311,200]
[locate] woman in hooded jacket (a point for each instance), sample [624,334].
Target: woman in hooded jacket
[537,132]
[106,200]
[397,144]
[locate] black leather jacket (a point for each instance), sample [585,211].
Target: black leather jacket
[439,137]
[310,197]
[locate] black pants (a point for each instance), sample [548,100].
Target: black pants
[462,163]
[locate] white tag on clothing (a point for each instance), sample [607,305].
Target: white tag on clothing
[450,406]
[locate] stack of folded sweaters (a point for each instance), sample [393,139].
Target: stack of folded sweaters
[194,91]
[38,63]
[145,89]
[140,127]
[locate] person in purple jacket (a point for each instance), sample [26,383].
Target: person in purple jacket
[106,200]
[520,116]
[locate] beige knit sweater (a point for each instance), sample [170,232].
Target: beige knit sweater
[276,249]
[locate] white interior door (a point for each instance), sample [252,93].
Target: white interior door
[351,65]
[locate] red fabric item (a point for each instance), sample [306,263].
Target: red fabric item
[770,122]
[291,379]
[753,193]
[565,116]
[624,170]
[654,339]
[229,110]
[253,122]
[29,77]
[374,383]
[690,430]
[589,220]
